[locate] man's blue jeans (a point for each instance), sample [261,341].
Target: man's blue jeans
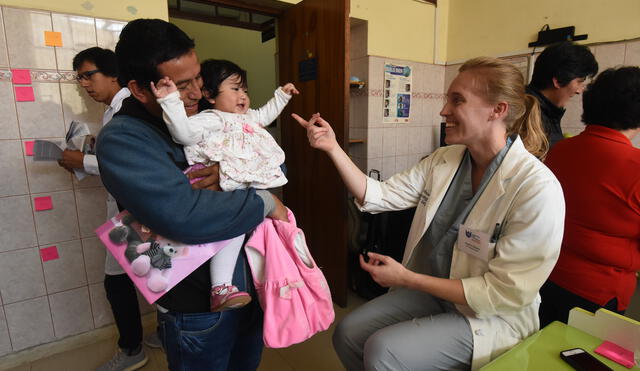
[229,340]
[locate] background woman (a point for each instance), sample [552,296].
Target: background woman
[599,170]
[485,236]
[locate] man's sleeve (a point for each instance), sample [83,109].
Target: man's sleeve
[138,170]
[90,163]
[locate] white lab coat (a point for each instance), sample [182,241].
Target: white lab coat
[526,199]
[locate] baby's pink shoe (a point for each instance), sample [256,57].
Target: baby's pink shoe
[225,297]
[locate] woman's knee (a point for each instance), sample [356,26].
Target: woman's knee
[378,353]
[342,335]
[350,335]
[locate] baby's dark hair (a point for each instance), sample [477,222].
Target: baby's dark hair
[215,71]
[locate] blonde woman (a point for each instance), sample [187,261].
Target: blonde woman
[485,236]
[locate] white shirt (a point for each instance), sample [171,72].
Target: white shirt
[90,162]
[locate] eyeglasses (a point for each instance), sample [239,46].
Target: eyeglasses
[86,75]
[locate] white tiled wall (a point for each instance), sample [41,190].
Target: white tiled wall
[44,301]
[12,168]
[391,147]
[68,271]
[9,122]
[43,117]
[607,55]
[25,38]
[29,322]
[107,32]
[4,59]
[17,229]
[22,275]
[78,33]
[59,223]
[5,342]
[93,254]
[394,147]
[71,312]
[99,305]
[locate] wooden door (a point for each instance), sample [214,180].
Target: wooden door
[313,53]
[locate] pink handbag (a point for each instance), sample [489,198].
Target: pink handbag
[292,290]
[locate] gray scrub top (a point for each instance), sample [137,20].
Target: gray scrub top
[435,249]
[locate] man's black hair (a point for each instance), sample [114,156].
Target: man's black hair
[146,43]
[215,71]
[565,61]
[104,59]
[613,99]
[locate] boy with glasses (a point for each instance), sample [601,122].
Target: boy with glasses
[97,74]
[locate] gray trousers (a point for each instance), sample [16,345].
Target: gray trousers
[404,330]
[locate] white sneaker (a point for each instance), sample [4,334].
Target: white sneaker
[121,361]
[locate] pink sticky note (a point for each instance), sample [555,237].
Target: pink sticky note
[616,353]
[43,203]
[21,76]
[49,253]
[28,147]
[24,94]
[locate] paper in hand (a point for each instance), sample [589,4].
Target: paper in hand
[76,135]
[44,150]
[78,138]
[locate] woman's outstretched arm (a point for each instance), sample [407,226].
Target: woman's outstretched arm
[322,137]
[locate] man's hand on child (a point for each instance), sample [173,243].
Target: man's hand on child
[163,88]
[211,175]
[290,89]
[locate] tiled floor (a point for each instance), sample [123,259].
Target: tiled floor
[316,354]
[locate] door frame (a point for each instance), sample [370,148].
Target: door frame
[316,33]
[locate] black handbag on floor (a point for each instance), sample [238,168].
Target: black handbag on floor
[386,233]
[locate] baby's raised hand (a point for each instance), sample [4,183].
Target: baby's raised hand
[164,87]
[290,89]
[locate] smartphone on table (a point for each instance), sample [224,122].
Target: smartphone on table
[581,360]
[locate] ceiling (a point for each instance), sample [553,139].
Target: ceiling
[256,15]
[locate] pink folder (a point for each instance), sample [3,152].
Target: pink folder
[616,353]
[126,239]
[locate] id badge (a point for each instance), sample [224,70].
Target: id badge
[474,243]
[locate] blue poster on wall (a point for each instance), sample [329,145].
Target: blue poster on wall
[404,102]
[396,93]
